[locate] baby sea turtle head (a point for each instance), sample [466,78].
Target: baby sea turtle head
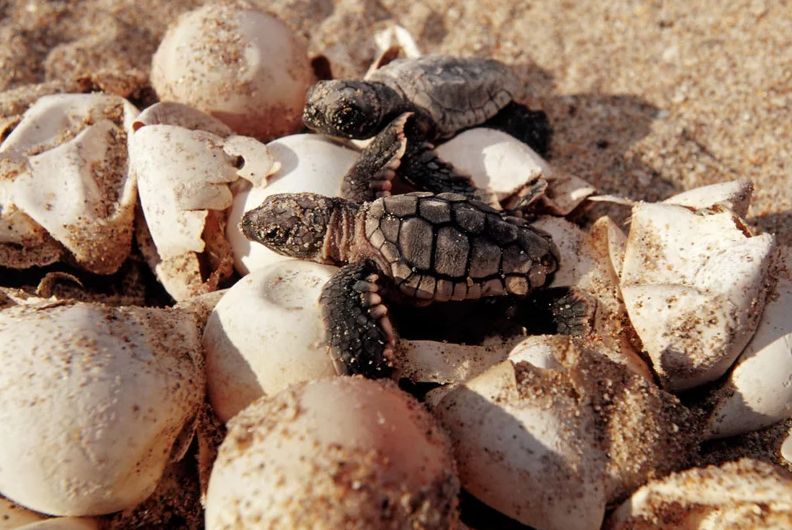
[293,224]
[352,109]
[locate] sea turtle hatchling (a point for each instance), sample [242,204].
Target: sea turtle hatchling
[409,103]
[421,246]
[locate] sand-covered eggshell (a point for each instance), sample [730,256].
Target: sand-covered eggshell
[694,285]
[265,334]
[735,195]
[525,447]
[742,495]
[65,179]
[308,163]
[184,177]
[337,453]
[92,399]
[758,391]
[237,63]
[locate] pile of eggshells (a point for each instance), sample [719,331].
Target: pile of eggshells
[98,402]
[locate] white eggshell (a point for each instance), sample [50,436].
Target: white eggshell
[539,350]
[758,392]
[586,265]
[746,494]
[265,334]
[238,64]
[181,174]
[172,113]
[528,451]
[73,177]
[735,195]
[308,163]
[445,362]
[694,286]
[339,453]
[92,399]
[494,160]
[786,448]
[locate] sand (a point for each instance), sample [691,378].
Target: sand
[646,98]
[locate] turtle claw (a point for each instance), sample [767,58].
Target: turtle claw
[359,332]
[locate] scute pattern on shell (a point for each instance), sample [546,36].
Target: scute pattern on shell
[456,92]
[444,247]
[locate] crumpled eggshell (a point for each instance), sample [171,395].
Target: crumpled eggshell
[694,284]
[758,392]
[308,163]
[526,447]
[734,195]
[183,180]
[586,265]
[742,495]
[172,113]
[499,162]
[92,399]
[238,64]
[265,334]
[344,452]
[69,176]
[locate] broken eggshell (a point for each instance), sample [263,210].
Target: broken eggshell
[586,264]
[265,334]
[694,285]
[308,163]
[734,195]
[742,495]
[183,180]
[65,171]
[237,63]
[112,389]
[509,168]
[344,452]
[758,391]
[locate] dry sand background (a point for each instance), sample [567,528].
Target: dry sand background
[647,98]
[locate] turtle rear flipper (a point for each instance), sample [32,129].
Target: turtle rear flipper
[564,311]
[529,126]
[359,333]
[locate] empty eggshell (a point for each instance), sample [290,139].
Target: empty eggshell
[265,334]
[506,166]
[742,495]
[92,399]
[183,180]
[786,448]
[526,447]
[336,453]
[172,113]
[694,284]
[586,264]
[734,195]
[66,162]
[241,65]
[64,523]
[758,392]
[308,163]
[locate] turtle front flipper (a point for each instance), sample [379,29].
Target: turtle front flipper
[402,149]
[359,333]
[529,126]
